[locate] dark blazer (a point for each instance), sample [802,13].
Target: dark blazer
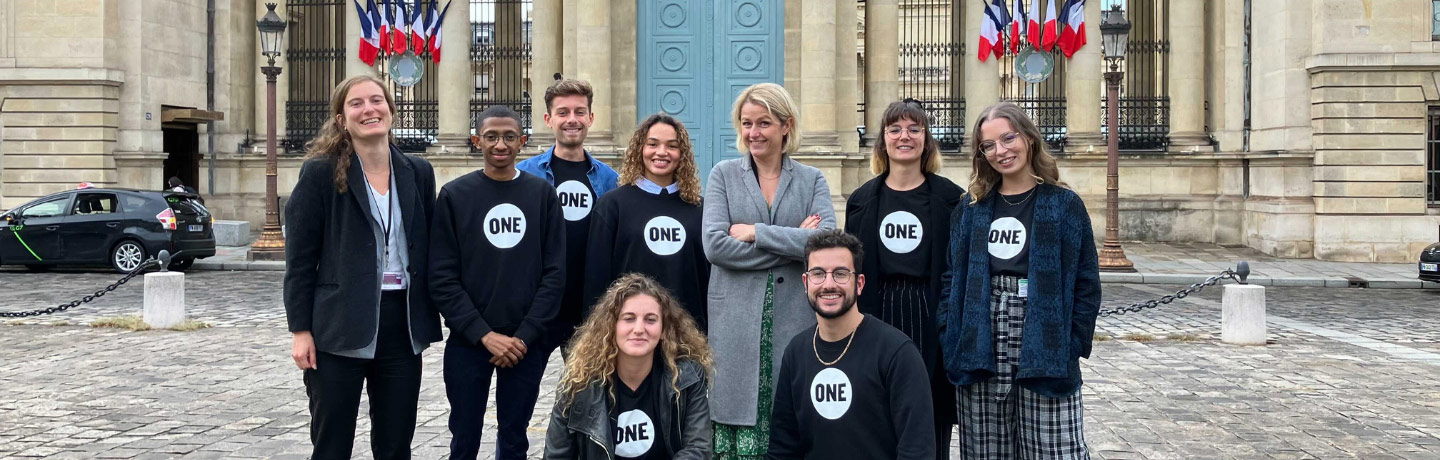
[332,277]
[580,426]
[862,219]
[1064,294]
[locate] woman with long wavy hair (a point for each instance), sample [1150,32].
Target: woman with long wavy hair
[1022,294]
[357,298]
[637,381]
[651,223]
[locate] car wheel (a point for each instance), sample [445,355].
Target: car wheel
[181,264]
[127,256]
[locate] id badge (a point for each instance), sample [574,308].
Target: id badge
[392,280]
[1024,290]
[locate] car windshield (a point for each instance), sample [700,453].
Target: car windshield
[53,208]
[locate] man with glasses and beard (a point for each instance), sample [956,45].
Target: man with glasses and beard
[847,387]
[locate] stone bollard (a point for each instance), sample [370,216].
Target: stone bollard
[1242,315]
[164,299]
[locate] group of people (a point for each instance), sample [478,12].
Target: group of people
[669,302]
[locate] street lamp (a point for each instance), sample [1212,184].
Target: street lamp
[271,245]
[1114,33]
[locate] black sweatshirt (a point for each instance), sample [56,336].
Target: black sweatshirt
[872,403]
[497,256]
[633,230]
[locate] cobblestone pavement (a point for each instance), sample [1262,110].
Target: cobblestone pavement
[1351,373]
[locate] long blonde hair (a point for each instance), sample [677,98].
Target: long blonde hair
[687,175]
[984,178]
[776,100]
[594,354]
[908,109]
[333,140]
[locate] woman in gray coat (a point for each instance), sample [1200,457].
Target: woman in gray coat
[759,210]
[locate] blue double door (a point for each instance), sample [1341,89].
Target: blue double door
[695,56]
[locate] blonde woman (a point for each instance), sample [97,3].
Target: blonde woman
[759,211]
[651,223]
[636,382]
[360,208]
[1022,297]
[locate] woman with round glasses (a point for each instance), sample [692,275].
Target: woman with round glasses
[1021,299]
[902,217]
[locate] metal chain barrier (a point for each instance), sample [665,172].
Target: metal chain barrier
[98,294]
[1238,274]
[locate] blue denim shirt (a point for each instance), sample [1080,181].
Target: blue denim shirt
[602,177]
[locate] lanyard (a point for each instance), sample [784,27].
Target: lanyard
[387,223]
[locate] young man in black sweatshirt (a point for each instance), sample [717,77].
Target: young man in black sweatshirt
[496,276]
[847,388]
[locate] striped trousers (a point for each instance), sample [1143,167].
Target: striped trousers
[999,419]
[905,305]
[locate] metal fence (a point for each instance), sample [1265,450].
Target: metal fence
[932,51]
[417,109]
[314,64]
[501,32]
[1145,90]
[1432,159]
[1044,102]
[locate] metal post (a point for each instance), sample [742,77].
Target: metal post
[1112,256]
[271,245]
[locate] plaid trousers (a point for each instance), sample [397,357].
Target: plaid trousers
[1000,420]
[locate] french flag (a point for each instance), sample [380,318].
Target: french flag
[418,36]
[1073,37]
[994,22]
[1032,29]
[369,37]
[1017,23]
[387,16]
[1051,33]
[377,22]
[399,28]
[437,29]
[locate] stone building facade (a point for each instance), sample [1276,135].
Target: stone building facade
[1319,147]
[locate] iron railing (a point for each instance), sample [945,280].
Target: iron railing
[1432,159]
[315,63]
[500,57]
[1044,102]
[1145,89]
[932,54]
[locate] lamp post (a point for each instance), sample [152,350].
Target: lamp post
[271,245]
[1114,33]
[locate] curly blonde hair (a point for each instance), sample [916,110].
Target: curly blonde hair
[687,175]
[984,178]
[333,141]
[593,353]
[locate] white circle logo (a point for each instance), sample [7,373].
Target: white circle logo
[664,235]
[505,225]
[831,393]
[901,232]
[1007,237]
[575,199]
[634,434]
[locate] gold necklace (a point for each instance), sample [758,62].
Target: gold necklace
[1022,200]
[815,345]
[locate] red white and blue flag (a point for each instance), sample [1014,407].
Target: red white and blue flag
[417,27]
[437,26]
[1032,28]
[387,17]
[399,28]
[369,36]
[1073,37]
[1017,24]
[1051,32]
[990,28]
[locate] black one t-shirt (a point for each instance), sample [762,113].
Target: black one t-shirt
[1010,233]
[659,235]
[635,419]
[577,199]
[904,240]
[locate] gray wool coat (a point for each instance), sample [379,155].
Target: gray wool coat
[737,278]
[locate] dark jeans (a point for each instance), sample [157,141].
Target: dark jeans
[467,385]
[392,379]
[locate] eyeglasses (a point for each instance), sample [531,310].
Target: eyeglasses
[895,130]
[817,276]
[1008,140]
[492,139]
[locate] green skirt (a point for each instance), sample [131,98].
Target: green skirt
[735,442]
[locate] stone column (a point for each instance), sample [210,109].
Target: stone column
[982,79]
[570,24]
[456,84]
[847,89]
[1083,81]
[509,66]
[817,76]
[353,64]
[545,33]
[1187,75]
[592,53]
[882,62]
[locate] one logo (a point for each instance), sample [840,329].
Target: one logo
[1007,237]
[901,232]
[575,199]
[634,434]
[664,235]
[831,393]
[505,226]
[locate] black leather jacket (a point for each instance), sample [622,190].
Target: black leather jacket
[583,431]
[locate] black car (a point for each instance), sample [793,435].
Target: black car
[116,227]
[1430,263]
